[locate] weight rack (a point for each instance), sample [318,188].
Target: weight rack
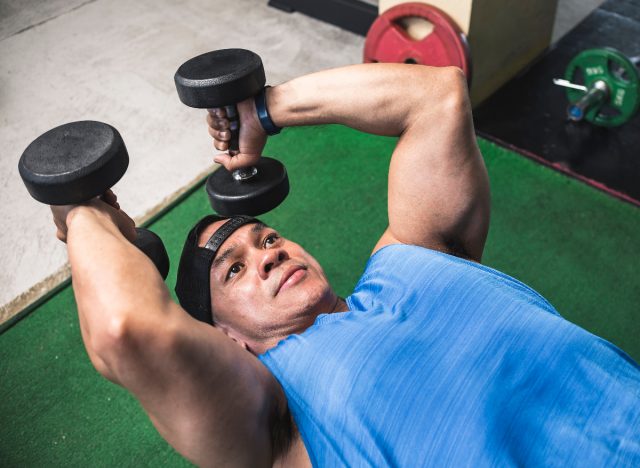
[353,15]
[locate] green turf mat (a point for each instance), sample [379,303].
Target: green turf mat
[575,245]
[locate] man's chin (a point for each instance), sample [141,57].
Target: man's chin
[310,298]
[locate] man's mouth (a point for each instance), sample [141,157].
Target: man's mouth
[292,276]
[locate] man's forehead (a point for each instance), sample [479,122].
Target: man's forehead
[210,230]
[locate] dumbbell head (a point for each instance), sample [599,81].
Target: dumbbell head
[220,78]
[76,162]
[73,163]
[153,247]
[252,197]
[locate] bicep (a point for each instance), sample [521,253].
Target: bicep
[438,185]
[210,399]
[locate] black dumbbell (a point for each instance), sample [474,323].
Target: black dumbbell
[223,78]
[76,162]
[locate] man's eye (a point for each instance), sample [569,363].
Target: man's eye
[270,239]
[234,270]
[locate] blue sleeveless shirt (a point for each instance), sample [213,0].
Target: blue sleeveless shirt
[445,362]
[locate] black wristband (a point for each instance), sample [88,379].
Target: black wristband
[263,114]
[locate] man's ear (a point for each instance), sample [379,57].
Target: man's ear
[231,334]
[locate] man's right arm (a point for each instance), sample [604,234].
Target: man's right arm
[438,191]
[212,401]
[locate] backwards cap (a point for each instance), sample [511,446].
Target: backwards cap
[193,286]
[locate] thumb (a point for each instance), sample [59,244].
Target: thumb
[238,161]
[223,159]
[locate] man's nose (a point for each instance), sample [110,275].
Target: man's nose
[271,259]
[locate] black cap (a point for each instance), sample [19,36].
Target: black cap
[193,286]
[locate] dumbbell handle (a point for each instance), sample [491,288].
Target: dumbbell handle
[234,143]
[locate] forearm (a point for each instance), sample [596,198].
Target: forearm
[383,99]
[114,283]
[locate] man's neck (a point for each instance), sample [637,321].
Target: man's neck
[340,305]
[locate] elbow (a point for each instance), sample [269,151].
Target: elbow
[128,341]
[454,92]
[448,98]
[444,95]
[111,345]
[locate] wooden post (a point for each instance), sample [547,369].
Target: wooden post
[504,35]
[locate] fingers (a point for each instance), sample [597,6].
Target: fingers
[216,122]
[224,159]
[252,140]
[220,145]
[218,112]
[59,219]
[61,230]
[236,161]
[110,198]
[222,135]
[218,128]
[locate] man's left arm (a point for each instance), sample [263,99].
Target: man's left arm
[438,193]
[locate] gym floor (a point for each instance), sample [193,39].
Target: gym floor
[61,412]
[56,410]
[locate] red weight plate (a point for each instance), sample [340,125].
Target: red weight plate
[387,40]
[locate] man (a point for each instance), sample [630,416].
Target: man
[433,360]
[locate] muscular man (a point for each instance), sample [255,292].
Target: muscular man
[434,359]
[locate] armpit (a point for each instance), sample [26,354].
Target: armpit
[283,430]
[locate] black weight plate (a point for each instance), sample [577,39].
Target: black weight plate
[153,247]
[255,196]
[220,78]
[73,163]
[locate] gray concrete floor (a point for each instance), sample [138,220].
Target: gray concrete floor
[114,60]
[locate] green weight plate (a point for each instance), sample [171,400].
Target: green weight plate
[620,75]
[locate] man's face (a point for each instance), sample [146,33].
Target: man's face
[265,287]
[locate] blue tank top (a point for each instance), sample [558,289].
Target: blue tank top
[445,362]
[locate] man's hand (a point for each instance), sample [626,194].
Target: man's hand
[107,205]
[252,136]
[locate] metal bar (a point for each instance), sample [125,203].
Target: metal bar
[594,97]
[569,84]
